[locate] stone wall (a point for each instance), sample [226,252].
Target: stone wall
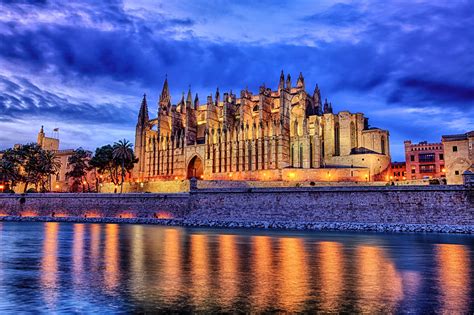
[451,205]
[425,205]
[95,205]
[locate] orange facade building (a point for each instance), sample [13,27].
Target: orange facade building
[424,160]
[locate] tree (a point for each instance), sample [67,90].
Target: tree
[10,167]
[79,164]
[105,165]
[124,154]
[48,165]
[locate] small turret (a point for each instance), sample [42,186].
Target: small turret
[281,84]
[300,82]
[196,102]
[165,97]
[288,82]
[143,113]
[189,99]
[326,107]
[40,136]
[218,98]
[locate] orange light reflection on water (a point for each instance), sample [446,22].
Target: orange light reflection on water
[171,277]
[111,258]
[293,273]
[331,263]
[378,281]
[49,263]
[199,269]
[454,278]
[78,254]
[264,279]
[228,269]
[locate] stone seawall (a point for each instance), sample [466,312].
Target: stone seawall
[420,208]
[164,206]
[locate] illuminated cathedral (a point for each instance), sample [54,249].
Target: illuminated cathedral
[282,134]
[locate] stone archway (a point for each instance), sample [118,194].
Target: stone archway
[195,168]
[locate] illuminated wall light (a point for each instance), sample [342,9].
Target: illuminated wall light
[163,215]
[230,174]
[292,175]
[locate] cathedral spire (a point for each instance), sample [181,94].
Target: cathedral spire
[288,82]
[217,97]
[196,102]
[281,84]
[165,98]
[143,114]
[317,95]
[189,98]
[300,82]
[326,106]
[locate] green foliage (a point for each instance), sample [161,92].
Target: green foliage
[29,164]
[79,165]
[114,161]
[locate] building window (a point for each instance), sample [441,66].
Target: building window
[292,155]
[456,172]
[441,157]
[413,170]
[412,158]
[382,144]
[426,157]
[429,168]
[455,148]
[337,149]
[250,156]
[353,136]
[301,155]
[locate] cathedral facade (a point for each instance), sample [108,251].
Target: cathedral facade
[282,134]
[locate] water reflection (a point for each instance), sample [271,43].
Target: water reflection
[454,270]
[49,264]
[200,276]
[114,268]
[228,269]
[331,262]
[378,281]
[78,255]
[111,257]
[263,272]
[171,276]
[293,274]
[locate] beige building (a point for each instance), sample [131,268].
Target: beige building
[458,155]
[282,134]
[59,182]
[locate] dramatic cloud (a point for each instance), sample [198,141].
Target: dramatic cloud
[84,65]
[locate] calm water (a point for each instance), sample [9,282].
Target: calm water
[99,268]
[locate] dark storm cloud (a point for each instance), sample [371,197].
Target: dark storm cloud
[23,99]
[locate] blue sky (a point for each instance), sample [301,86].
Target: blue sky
[83,66]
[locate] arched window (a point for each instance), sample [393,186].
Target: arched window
[337,143]
[292,155]
[213,159]
[250,156]
[382,144]
[301,155]
[353,136]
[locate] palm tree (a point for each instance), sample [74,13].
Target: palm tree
[123,152]
[48,165]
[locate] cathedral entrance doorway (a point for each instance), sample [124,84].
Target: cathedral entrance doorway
[195,168]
